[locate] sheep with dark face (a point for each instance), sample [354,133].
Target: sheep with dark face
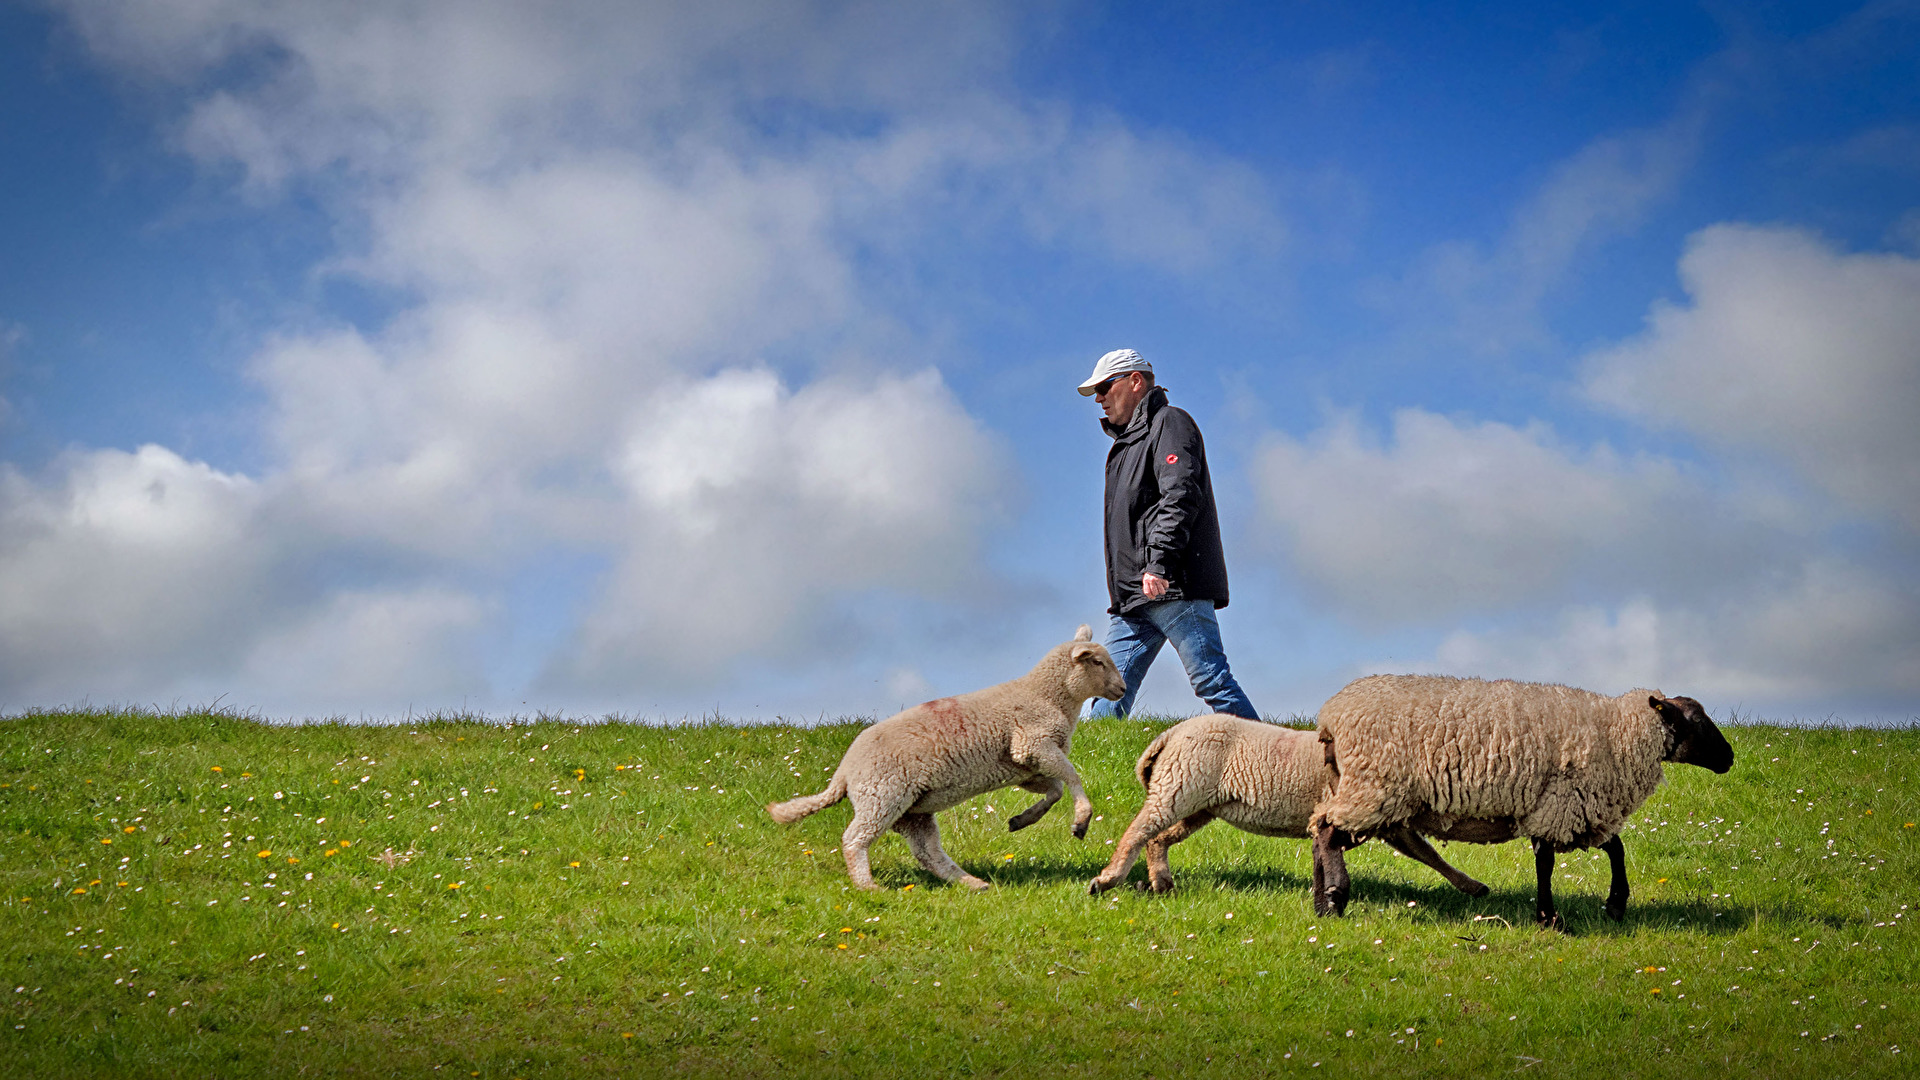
[1486,762]
[914,764]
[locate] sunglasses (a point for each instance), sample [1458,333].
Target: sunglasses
[1102,389]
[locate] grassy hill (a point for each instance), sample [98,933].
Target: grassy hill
[205,895]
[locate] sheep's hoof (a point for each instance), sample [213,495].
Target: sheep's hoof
[976,884]
[1331,902]
[1095,888]
[1551,920]
[1616,912]
[1080,831]
[1159,885]
[1018,822]
[1475,888]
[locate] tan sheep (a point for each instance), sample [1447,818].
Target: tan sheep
[1262,778]
[907,768]
[1486,762]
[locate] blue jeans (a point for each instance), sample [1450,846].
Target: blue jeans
[1135,639]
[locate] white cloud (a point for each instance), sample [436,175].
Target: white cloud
[635,249]
[1488,298]
[145,578]
[1789,352]
[1449,518]
[1727,580]
[11,335]
[365,651]
[755,510]
[1825,637]
[120,567]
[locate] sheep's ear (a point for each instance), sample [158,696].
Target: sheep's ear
[1660,705]
[1082,652]
[1085,633]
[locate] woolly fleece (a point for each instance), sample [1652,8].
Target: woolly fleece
[1259,777]
[906,768]
[1485,761]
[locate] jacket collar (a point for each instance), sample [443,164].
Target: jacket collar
[1142,417]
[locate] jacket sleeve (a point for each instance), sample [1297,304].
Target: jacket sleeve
[1178,467]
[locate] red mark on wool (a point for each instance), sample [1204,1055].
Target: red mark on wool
[1171,458]
[949,720]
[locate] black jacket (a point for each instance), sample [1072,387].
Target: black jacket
[1160,513]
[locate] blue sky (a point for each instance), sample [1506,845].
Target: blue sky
[358,359]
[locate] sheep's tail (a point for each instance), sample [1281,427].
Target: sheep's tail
[1148,757]
[786,813]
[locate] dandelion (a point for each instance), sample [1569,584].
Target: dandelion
[79,891]
[330,853]
[291,859]
[456,884]
[573,864]
[127,829]
[842,945]
[346,843]
[216,768]
[120,884]
[107,840]
[265,853]
[846,929]
[1655,990]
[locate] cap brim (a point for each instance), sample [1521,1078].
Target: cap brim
[1087,388]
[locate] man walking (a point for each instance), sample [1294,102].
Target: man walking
[1166,572]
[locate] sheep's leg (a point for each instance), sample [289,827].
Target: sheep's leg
[1157,815]
[1047,759]
[860,835]
[923,836]
[1049,790]
[1159,871]
[1543,872]
[1331,886]
[1617,895]
[1414,846]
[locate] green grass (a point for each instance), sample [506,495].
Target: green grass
[624,907]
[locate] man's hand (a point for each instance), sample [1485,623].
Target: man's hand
[1153,586]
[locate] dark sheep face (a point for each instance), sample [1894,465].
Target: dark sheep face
[1694,739]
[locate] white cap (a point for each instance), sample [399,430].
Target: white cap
[1117,362]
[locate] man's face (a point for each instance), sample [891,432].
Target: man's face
[1119,395]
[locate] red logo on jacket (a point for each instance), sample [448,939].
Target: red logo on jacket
[1171,458]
